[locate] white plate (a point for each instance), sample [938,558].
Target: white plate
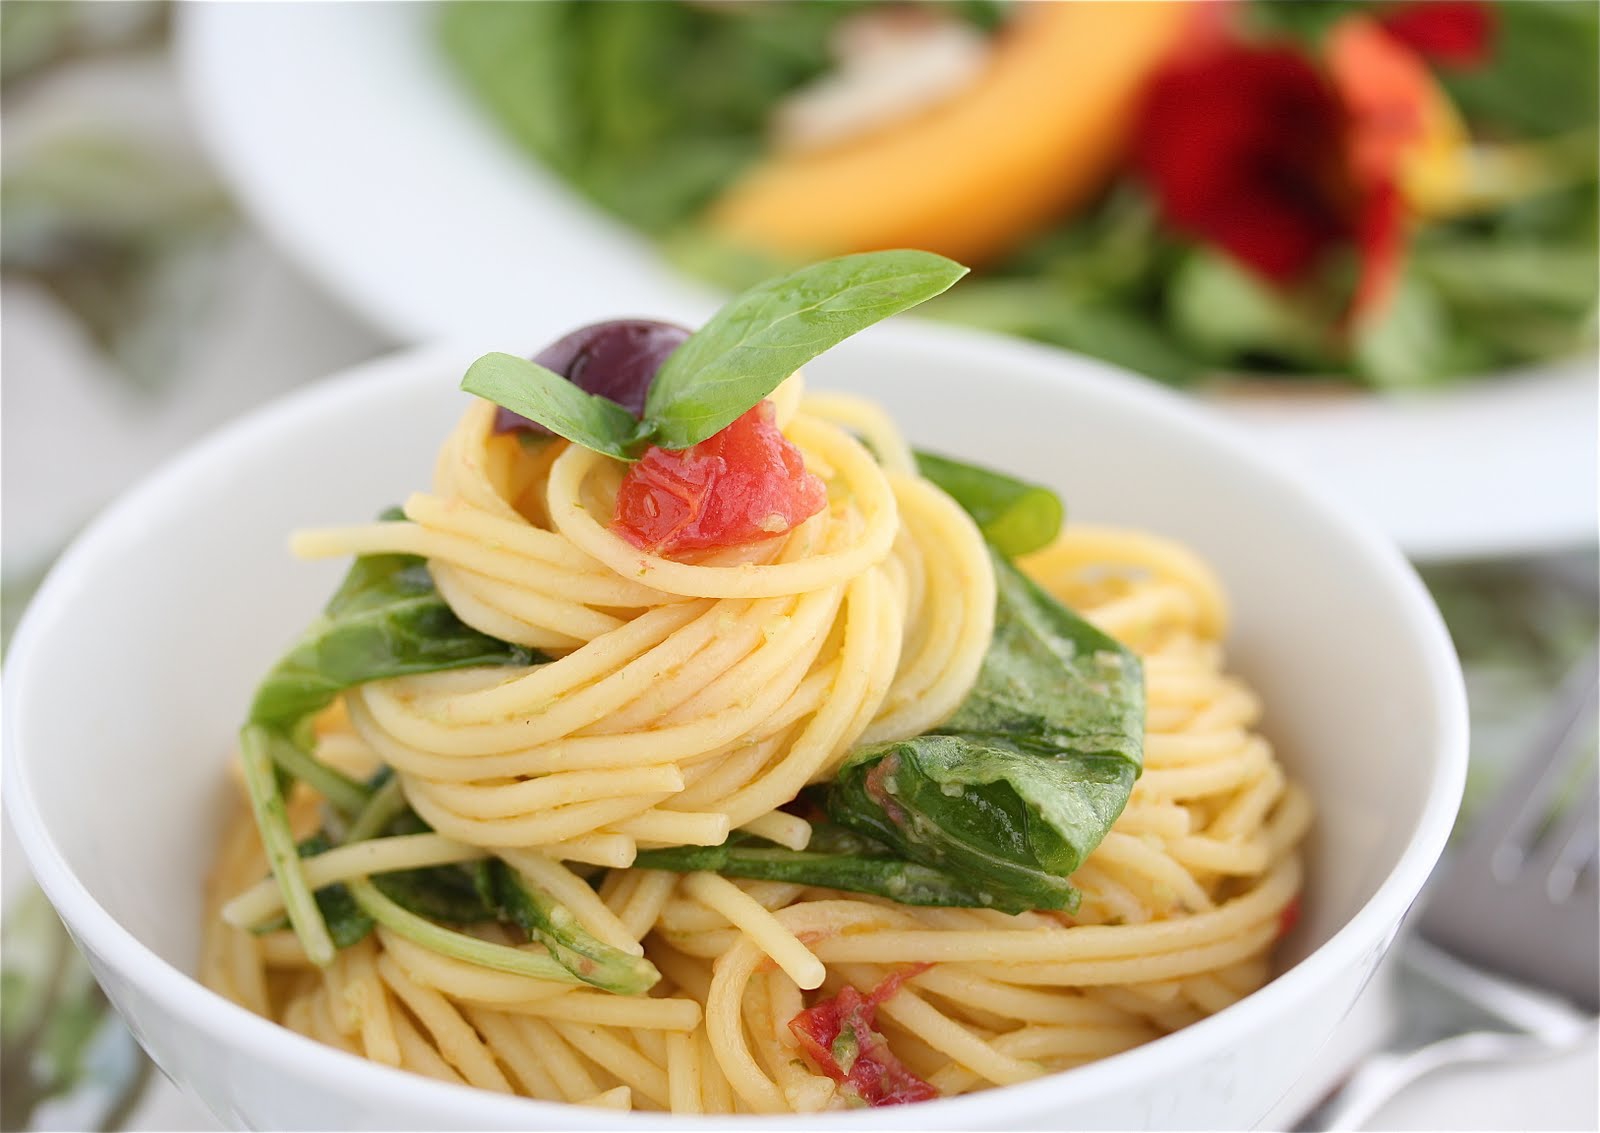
[345,135]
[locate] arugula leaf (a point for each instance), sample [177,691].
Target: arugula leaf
[836,859]
[1016,517]
[1024,781]
[762,336]
[551,923]
[542,395]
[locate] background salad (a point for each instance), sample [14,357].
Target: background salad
[1397,194]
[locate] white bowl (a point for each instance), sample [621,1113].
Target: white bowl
[135,663]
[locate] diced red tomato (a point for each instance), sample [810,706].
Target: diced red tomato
[741,485]
[838,1038]
[1290,916]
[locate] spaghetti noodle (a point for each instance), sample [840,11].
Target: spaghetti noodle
[681,701]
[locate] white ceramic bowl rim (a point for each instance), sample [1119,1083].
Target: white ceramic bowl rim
[178,991]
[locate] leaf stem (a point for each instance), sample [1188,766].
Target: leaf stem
[547,920]
[342,792]
[272,819]
[458,945]
[383,806]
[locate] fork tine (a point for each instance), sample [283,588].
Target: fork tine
[1495,903]
[1500,840]
[1567,850]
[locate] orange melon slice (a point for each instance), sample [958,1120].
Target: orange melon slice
[1035,135]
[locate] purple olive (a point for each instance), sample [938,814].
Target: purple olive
[616,360]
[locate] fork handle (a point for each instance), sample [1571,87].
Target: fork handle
[1384,1074]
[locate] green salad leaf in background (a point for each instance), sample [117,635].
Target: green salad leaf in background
[651,110]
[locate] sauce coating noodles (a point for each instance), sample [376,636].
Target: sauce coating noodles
[688,699]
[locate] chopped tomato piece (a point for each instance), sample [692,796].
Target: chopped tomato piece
[743,484]
[1289,917]
[839,1039]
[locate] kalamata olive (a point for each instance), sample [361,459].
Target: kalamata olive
[616,360]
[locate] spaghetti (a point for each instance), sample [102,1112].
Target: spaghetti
[680,702]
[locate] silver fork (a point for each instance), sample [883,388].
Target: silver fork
[1509,931]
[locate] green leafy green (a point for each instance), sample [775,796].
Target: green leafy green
[542,395]
[1223,311]
[740,355]
[1000,805]
[272,820]
[551,923]
[767,333]
[457,945]
[835,859]
[1015,517]
[648,109]
[1543,76]
[448,894]
[347,924]
[654,109]
[1407,343]
[1027,777]
[385,620]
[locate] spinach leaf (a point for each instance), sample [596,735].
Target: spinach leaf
[551,923]
[386,620]
[1022,783]
[649,109]
[761,337]
[836,859]
[347,924]
[1015,517]
[448,894]
[542,395]
[1544,76]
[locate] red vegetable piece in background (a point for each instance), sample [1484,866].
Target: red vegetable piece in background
[741,485]
[1452,33]
[1390,103]
[1243,148]
[616,360]
[838,1037]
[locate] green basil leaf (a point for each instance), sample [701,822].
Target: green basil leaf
[1024,781]
[1015,517]
[542,395]
[762,336]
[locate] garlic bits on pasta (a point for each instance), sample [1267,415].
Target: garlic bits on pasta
[696,744]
